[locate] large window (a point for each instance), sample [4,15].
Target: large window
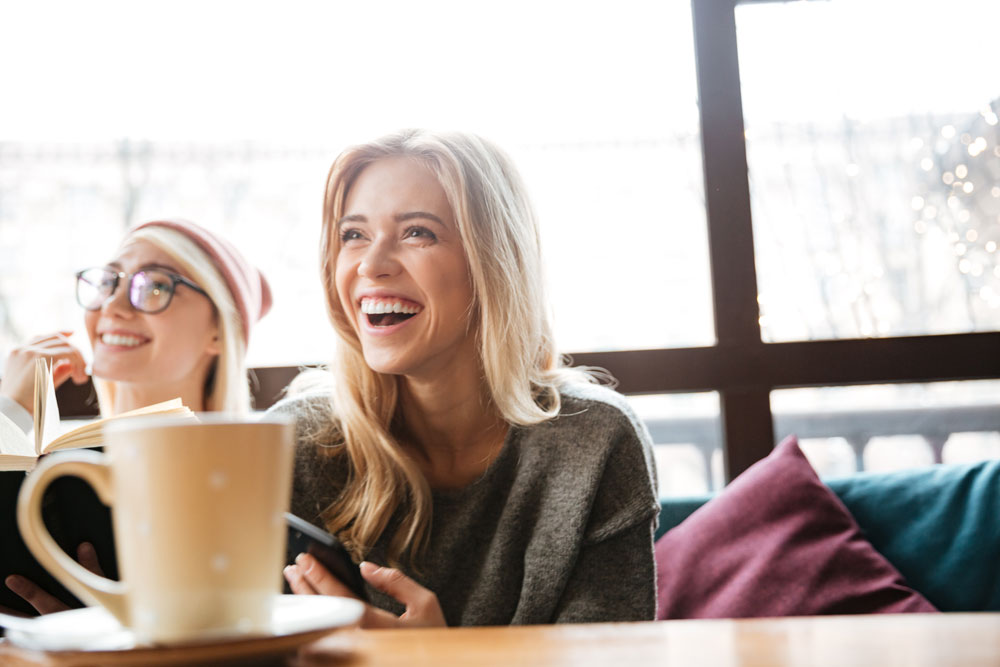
[230,114]
[746,206]
[874,166]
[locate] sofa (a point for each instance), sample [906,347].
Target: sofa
[778,541]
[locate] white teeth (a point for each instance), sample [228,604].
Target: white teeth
[120,340]
[374,307]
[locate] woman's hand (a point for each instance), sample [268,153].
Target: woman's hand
[19,374]
[308,577]
[41,600]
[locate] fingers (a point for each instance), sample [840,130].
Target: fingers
[379,619]
[35,596]
[19,372]
[308,577]
[62,371]
[67,360]
[55,346]
[87,556]
[393,582]
[13,612]
[41,600]
[297,580]
[74,369]
[422,606]
[313,576]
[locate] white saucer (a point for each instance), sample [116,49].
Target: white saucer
[296,620]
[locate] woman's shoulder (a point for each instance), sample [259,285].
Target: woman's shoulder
[312,413]
[598,453]
[303,403]
[594,406]
[589,392]
[593,423]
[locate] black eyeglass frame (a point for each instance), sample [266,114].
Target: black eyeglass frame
[175,280]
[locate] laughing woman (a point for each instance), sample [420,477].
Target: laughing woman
[169,316]
[481,482]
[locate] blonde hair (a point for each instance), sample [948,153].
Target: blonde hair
[226,386]
[521,368]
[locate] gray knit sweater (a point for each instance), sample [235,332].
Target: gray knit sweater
[558,529]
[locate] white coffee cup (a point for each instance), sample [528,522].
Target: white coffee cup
[197,508]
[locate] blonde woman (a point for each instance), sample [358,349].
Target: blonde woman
[479,480]
[169,316]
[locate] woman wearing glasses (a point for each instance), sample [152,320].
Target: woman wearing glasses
[482,482]
[169,316]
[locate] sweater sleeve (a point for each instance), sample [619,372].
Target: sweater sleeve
[614,578]
[16,413]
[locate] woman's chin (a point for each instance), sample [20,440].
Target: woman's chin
[112,372]
[386,365]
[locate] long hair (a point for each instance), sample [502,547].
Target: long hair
[521,368]
[226,387]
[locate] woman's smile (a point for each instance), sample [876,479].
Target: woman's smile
[384,312]
[125,340]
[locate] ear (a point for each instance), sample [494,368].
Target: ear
[214,347]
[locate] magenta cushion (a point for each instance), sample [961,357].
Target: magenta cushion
[775,542]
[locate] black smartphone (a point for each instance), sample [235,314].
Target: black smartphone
[304,537]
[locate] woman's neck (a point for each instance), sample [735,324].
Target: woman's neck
[451,428]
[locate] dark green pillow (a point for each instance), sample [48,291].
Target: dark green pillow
[940,527]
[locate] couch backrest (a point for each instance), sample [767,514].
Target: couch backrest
[940,527]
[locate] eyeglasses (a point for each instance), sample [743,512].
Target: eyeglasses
[149,290]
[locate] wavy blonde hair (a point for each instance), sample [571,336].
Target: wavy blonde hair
[226,386]
[521,368]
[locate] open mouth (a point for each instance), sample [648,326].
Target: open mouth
[122,340]
[388,312]
[388,319]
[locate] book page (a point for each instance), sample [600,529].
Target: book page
[13,440]
[46,407]
[91,434]
[37,408]
[174,405]
[16,462]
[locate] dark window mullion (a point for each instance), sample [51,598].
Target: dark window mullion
[968,356]
[748,433]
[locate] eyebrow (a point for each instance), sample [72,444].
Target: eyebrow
[401,217]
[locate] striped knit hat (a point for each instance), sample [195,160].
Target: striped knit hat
[247,284]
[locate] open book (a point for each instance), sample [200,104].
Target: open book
[18,452]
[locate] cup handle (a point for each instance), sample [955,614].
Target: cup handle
[93,589]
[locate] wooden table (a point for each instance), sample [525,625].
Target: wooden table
[932,640]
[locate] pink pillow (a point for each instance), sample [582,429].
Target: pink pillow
[775,542]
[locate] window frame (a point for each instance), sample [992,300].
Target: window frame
[740,367]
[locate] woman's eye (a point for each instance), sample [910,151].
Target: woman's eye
[419,233]
[349,235]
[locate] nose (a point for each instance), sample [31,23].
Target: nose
[118,303]
[379,260]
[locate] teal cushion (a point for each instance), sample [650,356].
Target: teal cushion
[940,527]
